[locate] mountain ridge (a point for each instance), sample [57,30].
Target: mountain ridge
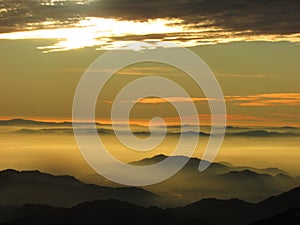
[20,187]
[204,212]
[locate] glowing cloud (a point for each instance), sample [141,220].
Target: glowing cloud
[271,99]
[107,33]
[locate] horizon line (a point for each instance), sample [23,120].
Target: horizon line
[144,123]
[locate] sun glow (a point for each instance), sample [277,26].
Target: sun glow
[95,32]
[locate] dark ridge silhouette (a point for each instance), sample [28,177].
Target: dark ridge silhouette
[269,170]
[261,133]
[247,133]
[283,209]
[97,212]
[232,211]
[190,133]
[204,212]
[45,131]
[230,127]
[290,217]
[290,128]
[237,212]
[18,188]
[27,211]
[61,131]
[19,122]
[282,202]
[245,175]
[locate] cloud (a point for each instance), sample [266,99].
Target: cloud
[204,21]
[235,119]
[169,99]
[157,100]
[256,16]
[269,99]
[16,15]
[243,75]
[272,99]
[248,16]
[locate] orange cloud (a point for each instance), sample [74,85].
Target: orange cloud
[157,100]
[169,99]
[271,99]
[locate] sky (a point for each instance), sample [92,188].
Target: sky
[251,46]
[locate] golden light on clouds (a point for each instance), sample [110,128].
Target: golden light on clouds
[269,99]
[94,32]
[251,102]
[108,33]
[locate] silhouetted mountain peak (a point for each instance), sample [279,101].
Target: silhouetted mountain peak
[18,120]
[244,173]
[158,158]
[9,171]
[289,127]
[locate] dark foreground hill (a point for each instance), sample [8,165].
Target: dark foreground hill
[290,217]
[282,209]
[19,188]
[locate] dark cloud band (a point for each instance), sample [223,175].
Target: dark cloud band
[249,16]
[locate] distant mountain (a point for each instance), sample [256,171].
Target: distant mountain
[63,128]
[261,133]
[23,122]
[246,176]
[61,131]
[270,170]
[219,180]
[290,128]
[203,212]
[215,168]
[45,131]
[18,188]
[235,132]
[43,127]
[247,132]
